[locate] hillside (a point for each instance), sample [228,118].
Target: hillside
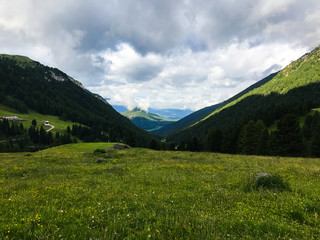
[201,114]
[295,90]
[146,120]
[27,85]
[64,192]
[59,124]
[186,121]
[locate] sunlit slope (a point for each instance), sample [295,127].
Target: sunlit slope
[304,71]
[26,119]
[203,113]
[295,89]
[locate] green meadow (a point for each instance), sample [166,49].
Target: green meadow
[89,191]
[59,125]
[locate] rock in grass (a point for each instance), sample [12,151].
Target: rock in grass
[262,175]
[99,160]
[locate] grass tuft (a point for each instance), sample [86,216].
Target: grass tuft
[266,181]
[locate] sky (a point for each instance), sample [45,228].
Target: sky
[184,54]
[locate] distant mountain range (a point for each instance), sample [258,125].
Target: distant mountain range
[186,121]
[169,114]
[146,120]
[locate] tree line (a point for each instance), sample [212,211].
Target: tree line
[16,138]
[254,138]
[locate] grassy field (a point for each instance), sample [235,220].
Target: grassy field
[59,125]
[70,192]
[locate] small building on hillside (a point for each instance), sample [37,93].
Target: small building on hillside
[120,147]
[11,118]
[46,123]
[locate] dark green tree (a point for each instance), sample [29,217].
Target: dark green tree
[34,122]
[253,138]
[306,129]
[154,144]
[288,137]
[43,136]
[213,140]
[130,140]
[229,141]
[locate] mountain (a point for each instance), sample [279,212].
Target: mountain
[28,85]
[169,113]
[295,90]
[119,108]
[146,120]
[205,112]
[186,121]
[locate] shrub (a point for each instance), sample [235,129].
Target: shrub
[297,215]
[99,151]
[267,181]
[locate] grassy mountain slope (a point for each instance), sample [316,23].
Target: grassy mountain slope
[59,124]
[28,85]
[295,89]
[304,71]
[205,112]
[146,120]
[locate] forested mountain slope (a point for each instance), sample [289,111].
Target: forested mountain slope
[295,90]
[26,84]
[205,112]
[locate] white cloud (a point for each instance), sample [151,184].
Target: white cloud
[179,80]
[161,54]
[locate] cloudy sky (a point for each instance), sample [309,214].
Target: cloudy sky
[162,53]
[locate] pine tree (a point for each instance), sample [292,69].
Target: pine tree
[154,144]
[34,122]
[43,137]
[253,138]
[306,129]
[213,140]
[289,136]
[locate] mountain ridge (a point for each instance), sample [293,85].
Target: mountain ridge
[146,120]
[295,89]
[276,86]
[203,113]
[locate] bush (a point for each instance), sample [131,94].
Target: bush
[99,151]
[267,181]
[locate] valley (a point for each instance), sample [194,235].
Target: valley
[146,120]
[247,168]
[160,120]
